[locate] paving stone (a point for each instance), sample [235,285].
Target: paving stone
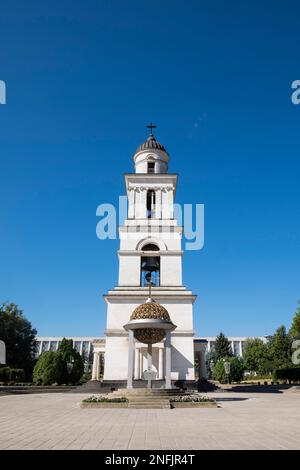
[244,421]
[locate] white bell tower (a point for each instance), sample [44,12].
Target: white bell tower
[150,248]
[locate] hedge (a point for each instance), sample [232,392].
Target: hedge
[7,374]
[291,374]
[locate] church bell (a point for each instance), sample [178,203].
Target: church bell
[150,263]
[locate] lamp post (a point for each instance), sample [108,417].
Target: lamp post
[86,367]
[227,370]
[70,365]
[212,367]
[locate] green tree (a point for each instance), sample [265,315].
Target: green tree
[279,349]
[73,358]
[19,337]
[256,356]
[222,347]
[237,370]
[294,330]
[49,369]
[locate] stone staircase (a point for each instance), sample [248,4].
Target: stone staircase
[147,398]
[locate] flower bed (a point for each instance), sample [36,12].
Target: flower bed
[192,398]
[104,399]
[104,402]
[193,401]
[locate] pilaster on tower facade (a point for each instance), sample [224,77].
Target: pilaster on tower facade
[150,249]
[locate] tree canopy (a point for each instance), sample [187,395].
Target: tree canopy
[294,330]
[19,337]
[71,356]
[279,349]
[222,347]
[64,366]
[256,356]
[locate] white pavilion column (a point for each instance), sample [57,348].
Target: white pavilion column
[168,359]
[137,364]
[141,363]
[96,365]
[149,364]
[130,358]
[160,363]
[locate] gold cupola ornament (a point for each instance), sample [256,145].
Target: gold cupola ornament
[150,321]
[150,310]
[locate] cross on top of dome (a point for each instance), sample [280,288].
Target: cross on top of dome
[151,142]
[151,126]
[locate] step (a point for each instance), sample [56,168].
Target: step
[149,406]
[144,392]
[154,399]
[148,400]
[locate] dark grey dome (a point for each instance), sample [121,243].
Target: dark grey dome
[151,143]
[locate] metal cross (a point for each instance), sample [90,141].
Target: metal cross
[151,126]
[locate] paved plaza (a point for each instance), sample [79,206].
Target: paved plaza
[244,421]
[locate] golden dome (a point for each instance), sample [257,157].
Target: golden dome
[154,311]
[150,310]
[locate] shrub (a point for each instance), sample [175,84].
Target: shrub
[7,374]
[49,369]
[17,375]
[85,378]
[219,372]
[291,374]
[4,374]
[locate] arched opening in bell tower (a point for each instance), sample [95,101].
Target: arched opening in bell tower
[150,268]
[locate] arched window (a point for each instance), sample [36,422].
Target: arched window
[150,247]
[150,203]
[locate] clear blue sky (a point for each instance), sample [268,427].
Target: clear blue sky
[83,79]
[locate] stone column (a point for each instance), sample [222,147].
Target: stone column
[131,204]
[160,363]
[168,360]
[158,204]
[138,204]
[95,370]
[130,358]
[149,364]
[170,203]
[202,364]
[137,364]
[143,204]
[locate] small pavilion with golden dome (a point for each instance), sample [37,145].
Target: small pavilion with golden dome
[149,323]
